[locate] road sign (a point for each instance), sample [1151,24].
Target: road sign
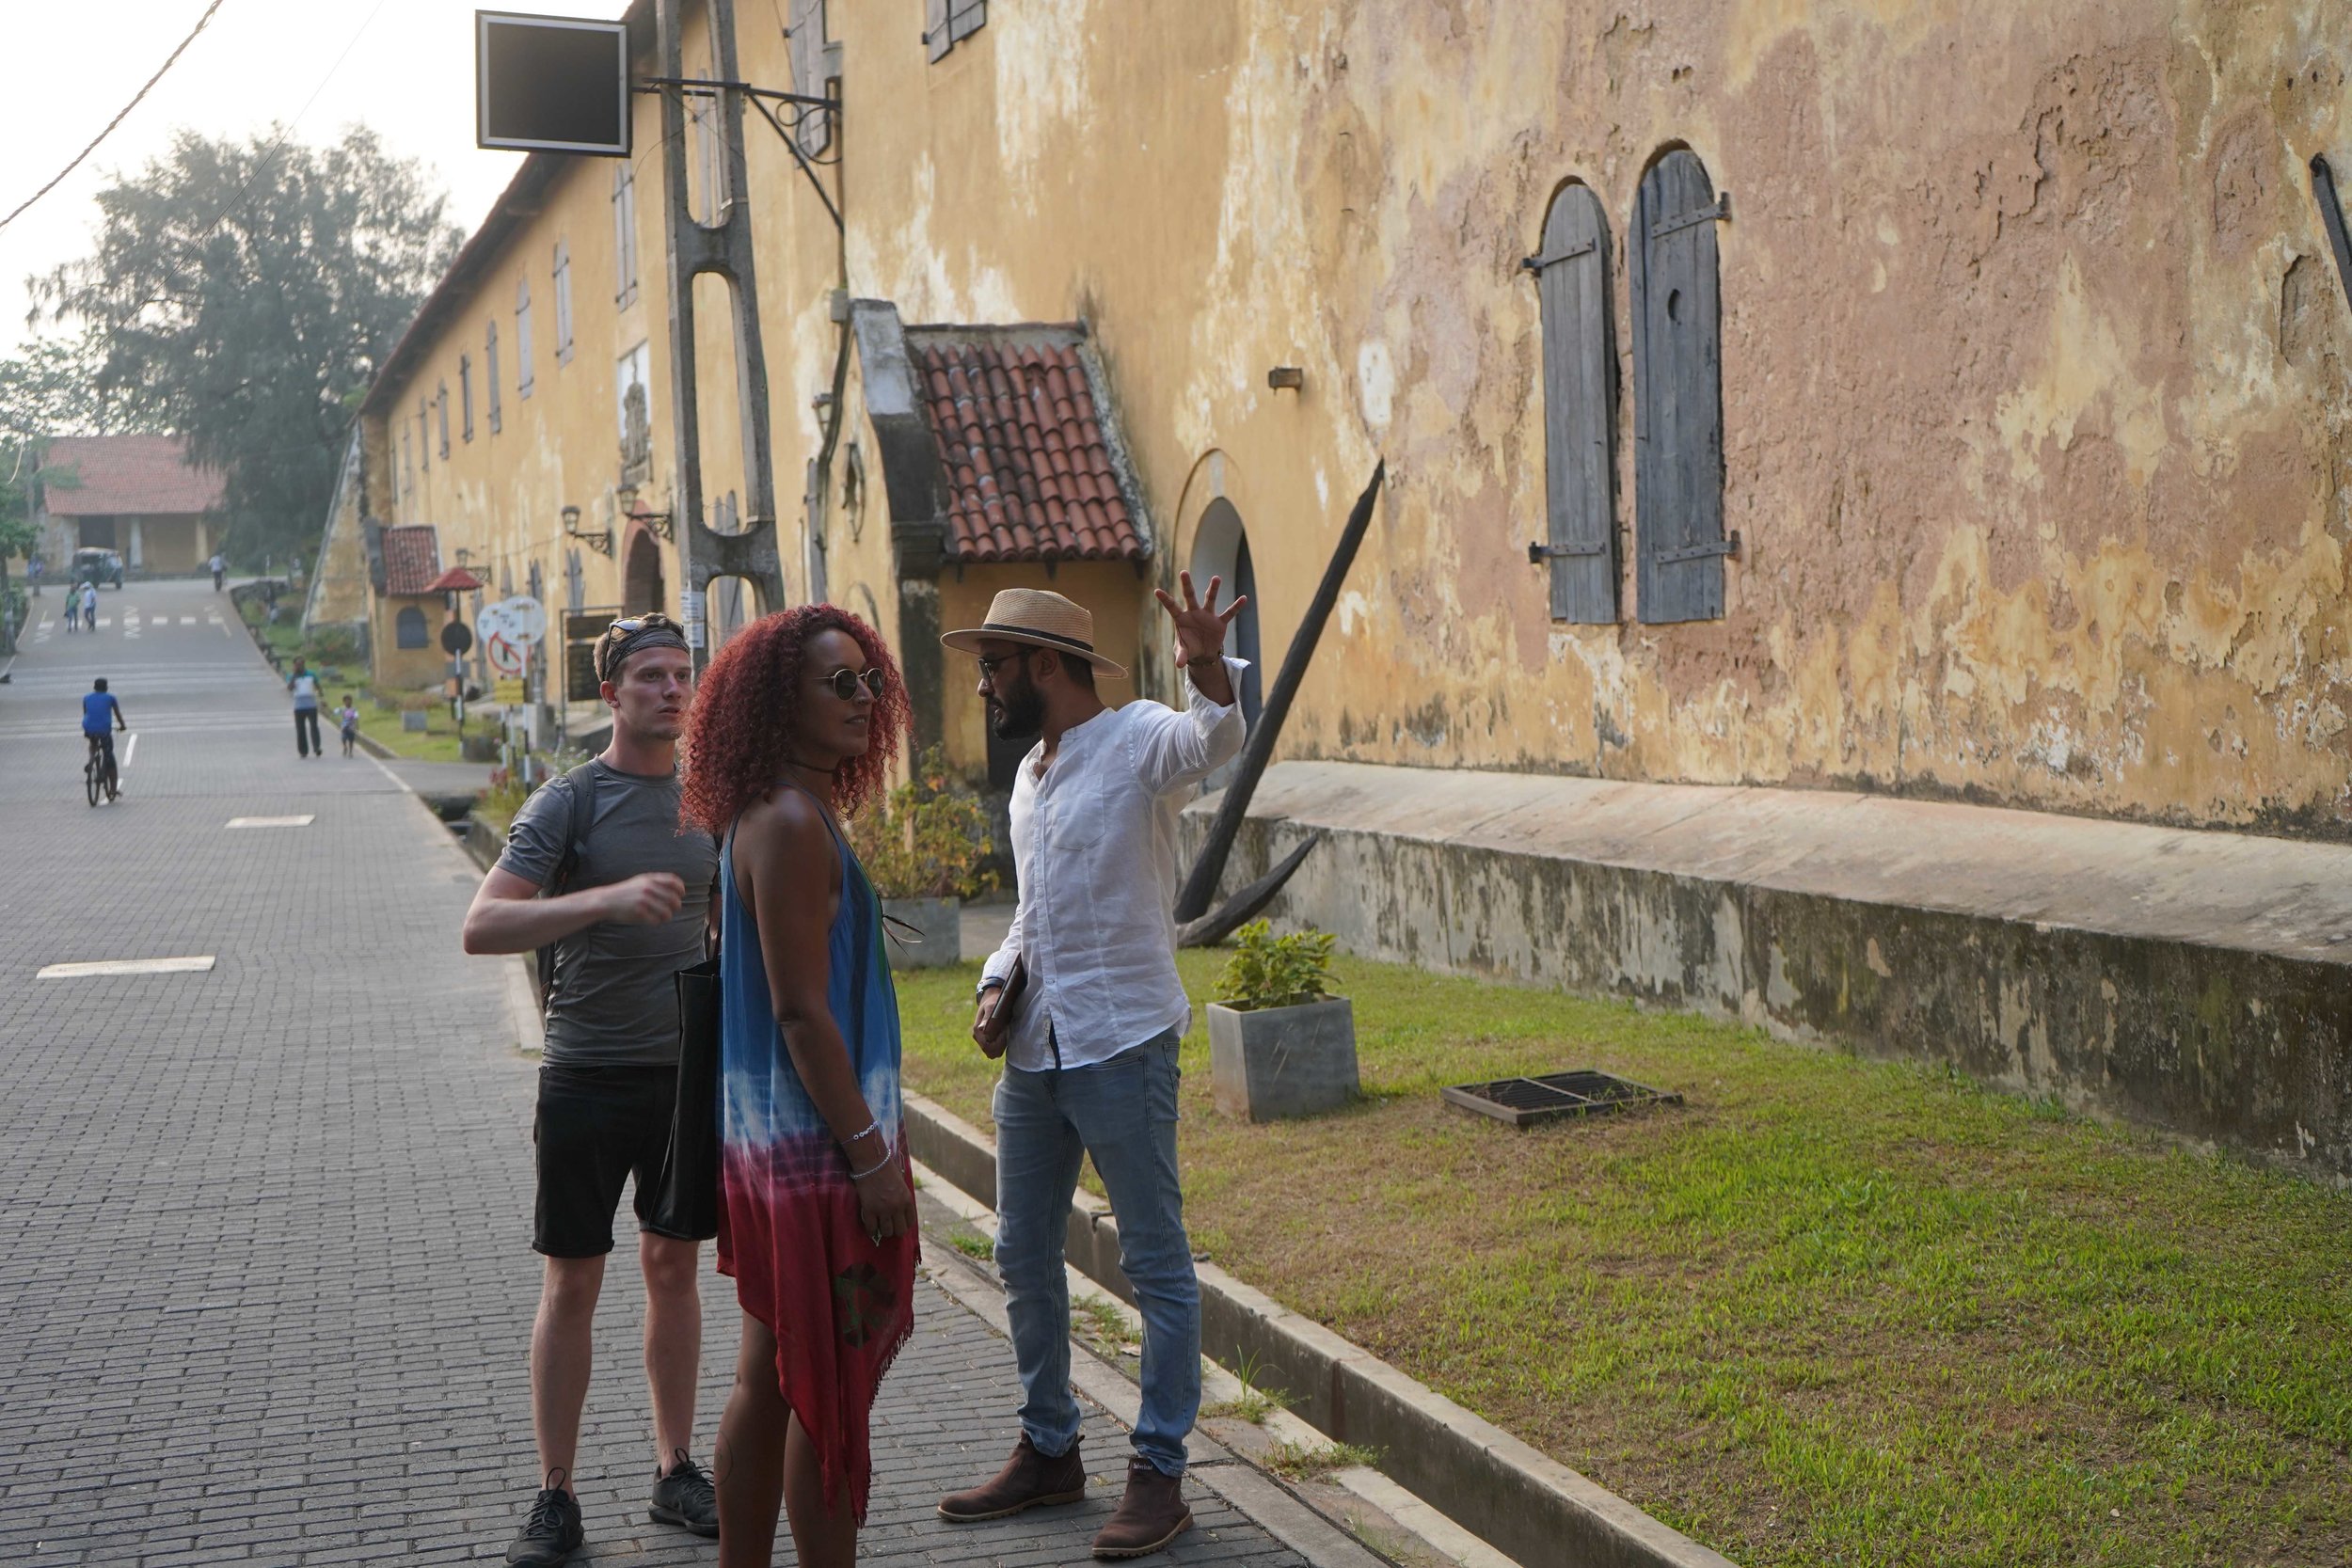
[521,619]
[507,655]
[509,691]
[455,639]
[551,84]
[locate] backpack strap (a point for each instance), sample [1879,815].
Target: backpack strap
[580,789]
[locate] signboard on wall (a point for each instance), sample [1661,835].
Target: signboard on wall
[551,84]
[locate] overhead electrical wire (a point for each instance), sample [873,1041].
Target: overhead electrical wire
[78,157]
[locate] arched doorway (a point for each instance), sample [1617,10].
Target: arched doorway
[641,580]
[1220,548]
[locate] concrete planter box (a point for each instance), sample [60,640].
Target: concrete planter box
[938,921]
[1273,1062]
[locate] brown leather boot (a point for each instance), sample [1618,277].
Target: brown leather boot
[1151,1515]
[1029,1479]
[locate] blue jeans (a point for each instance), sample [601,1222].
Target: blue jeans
[1122,1112]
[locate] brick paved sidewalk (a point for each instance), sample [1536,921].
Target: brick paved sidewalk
[265,1232]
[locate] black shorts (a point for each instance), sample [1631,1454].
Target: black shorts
[595,1127]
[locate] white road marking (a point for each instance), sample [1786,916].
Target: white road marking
[130,750]
[105,619]
[302,821]
[126,966]
[187,620]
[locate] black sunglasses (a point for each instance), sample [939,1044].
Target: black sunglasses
[845,680]
[634,623]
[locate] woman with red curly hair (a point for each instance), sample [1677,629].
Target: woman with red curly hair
[795,725]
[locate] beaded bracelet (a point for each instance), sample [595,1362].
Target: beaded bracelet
[874,1126]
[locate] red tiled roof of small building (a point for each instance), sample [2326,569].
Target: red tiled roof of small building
[412,558]
[1029,472]
[130,476]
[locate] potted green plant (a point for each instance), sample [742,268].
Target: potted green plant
[1280,1043]
[922,849]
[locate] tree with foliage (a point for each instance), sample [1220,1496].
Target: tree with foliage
[245,293]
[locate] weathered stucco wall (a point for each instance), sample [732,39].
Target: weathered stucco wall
[2034,367]
[2034,364]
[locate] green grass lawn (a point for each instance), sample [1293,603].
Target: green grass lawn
[1828,1311]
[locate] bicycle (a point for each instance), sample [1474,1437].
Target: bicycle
[98,772]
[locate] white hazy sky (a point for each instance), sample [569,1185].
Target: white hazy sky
[402,67]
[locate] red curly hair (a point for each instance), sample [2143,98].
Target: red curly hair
[748,708]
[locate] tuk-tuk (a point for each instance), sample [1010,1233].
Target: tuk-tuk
[99,566]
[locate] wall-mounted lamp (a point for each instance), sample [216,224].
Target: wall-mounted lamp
[656,523]
[1286,378]
[598,540]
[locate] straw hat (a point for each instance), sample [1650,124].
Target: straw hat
[1041,619]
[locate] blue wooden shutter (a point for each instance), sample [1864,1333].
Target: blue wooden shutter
[1678,392]
[1580,408]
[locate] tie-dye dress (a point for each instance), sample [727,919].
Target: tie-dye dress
[839,1304]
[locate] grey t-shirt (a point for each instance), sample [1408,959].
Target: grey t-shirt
[613,1003]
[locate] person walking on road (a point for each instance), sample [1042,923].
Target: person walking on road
[597,867]
[219,569]
[347,719]
[89,607]
[305,687]
[1090,1039]
[799,719]
[33,573]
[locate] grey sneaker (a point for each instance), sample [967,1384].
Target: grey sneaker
[551,1533]
[684,1496]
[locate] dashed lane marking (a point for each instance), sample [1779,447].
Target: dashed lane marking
[302,821]
[89,968]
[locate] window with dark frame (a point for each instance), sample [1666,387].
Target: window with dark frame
[465,401]
[1680,541]
[1580,391]
[490,373]
[948,23]
[443,402]
[409,628]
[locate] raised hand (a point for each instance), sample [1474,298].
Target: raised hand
[1199,625]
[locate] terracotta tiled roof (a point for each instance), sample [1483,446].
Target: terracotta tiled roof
[412,558]
[1030,474]
[126,476]
[456,580]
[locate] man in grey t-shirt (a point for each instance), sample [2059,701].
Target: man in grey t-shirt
[629,914]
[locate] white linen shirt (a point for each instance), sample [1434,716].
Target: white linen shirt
[1095,847]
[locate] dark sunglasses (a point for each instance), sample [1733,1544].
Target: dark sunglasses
[634,623]
[845,680]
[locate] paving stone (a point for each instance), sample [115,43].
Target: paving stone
[264,1233]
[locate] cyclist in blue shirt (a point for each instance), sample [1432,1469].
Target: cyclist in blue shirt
[98,707]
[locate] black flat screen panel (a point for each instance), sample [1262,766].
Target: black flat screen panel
[551,84]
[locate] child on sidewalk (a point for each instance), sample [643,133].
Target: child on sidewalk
[348,716]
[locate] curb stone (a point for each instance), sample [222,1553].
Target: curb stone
[1525,1504]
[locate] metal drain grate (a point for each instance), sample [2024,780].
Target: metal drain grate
[1524,1102]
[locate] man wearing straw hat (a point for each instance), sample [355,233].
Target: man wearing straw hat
[1083,1003]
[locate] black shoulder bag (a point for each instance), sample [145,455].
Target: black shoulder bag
[580,788]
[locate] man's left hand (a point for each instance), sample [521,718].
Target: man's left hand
[1199,625]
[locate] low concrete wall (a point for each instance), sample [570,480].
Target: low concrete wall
[2195,982]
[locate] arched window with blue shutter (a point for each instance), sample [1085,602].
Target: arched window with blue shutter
[409,628]
[1677,392]
[1580,385]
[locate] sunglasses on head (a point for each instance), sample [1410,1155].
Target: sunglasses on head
[844,683]
[634,623]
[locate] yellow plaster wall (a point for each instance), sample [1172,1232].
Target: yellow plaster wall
[2034,363]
